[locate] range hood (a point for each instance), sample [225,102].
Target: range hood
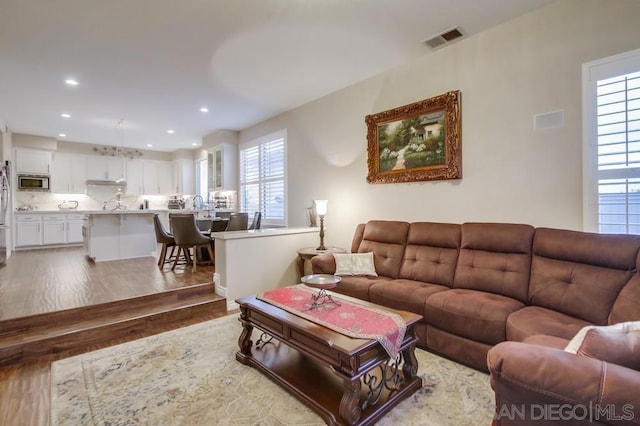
[120,183]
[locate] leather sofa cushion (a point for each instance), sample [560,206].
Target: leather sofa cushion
[466,351]
[473,314]
[580,274]
[618,344]
[386,239]
[606,250]
[358,286]
[533,320]
[548,341]
[496,258]
[431,253]
[402,294]
[627,305]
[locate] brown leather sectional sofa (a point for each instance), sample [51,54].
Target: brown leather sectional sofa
[480,284]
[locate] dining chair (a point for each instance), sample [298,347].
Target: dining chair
[204,224]
[188,236]
[238,222]
[219,225]
[255,223]
[166,239]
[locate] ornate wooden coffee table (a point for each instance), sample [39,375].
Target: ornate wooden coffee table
[346,381]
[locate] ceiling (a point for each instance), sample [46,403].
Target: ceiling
[147,66]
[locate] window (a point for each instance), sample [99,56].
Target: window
[611,90]
[262,178]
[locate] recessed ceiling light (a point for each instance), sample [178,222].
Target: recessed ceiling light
[170,131]
[62,135]
[149,145]
[194,144]
[71,82]
[204,109]
[65,115]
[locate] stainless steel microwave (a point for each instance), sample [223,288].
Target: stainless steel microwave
[34,183]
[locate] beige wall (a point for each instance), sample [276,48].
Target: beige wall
[511,173]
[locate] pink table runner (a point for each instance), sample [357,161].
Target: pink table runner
[348,318]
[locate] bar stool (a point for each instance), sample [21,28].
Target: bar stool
[187,236]
[238,222]
[164,238]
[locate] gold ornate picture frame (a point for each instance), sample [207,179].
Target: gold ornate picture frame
[416,142]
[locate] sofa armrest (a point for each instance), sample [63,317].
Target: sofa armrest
[534,384]
[323,264]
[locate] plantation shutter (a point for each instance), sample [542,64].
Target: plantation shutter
[618,130]
[262,179]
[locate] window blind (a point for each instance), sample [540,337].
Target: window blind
[262,180]
[618,153]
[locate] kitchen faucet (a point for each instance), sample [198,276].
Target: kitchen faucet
[198,201]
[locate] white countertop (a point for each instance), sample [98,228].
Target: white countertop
[119,211]
[264,232]
[128,211]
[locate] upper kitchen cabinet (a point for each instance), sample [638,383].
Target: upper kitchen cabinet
[101,167]
[134,176]
[157,177]
[33,161]
[222,166]
[184,176]
[69,173]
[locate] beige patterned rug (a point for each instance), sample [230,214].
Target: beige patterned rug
[189,376]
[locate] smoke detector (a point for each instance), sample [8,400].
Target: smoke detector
[444,38]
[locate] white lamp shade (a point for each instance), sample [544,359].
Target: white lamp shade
[321,207]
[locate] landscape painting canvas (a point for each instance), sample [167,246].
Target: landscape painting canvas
[416,142]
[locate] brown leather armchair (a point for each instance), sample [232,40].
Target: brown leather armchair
[540,385]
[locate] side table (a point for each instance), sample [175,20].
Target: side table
[305,255]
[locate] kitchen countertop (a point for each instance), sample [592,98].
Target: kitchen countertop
[119,211]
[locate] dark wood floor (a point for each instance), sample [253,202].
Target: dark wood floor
[42,281]
[47,280]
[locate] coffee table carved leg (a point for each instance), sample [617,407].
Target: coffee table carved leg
[244,341]
[410,365]
[349,405]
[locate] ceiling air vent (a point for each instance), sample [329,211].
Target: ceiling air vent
[444,38]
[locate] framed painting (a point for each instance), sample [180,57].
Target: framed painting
[416,142]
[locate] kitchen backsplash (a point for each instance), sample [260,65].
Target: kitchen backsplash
[48,201]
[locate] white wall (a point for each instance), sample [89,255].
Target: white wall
[511,173]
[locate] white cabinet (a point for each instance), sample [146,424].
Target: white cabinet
[222,167]
[157,177]
[123,235]
[33,161]
[69,173]
[74,228]
[184,176]
[134,176]
[38,229]
[54,228]
[28,230]
[100,167]
[165,178]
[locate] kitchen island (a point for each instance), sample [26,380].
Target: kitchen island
[119,234]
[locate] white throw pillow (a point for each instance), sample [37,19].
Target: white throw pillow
[355,264]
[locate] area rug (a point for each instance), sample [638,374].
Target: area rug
[189,376]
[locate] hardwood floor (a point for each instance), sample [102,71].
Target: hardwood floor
[39,281]
[45,281]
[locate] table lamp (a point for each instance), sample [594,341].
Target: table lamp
[321,210]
